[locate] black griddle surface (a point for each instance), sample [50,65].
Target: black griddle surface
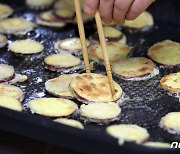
[148,102]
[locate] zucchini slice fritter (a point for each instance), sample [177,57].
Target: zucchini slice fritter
[100,112]
[3,41]
[91,88]
[127,132]
[157,144]
[171,123]
[69,45]
[62,62]
[5,11]
[53,107]
[26,48]
[70,122]
[10,103]
[111,35]
[136,68]
[115,51]
[11,91]
[59,86]
[142,23]
[166,53]
[16,26]
[7,73]
[39,4]
[171,83]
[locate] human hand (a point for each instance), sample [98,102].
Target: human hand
[117,10]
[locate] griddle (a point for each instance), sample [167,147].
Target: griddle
[146,102]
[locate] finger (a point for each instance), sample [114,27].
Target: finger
[137,8]
[90,6]
[106,10]
[121,7]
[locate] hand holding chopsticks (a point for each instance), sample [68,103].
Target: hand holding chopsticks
[102,42]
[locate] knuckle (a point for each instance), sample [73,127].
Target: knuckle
[120,5]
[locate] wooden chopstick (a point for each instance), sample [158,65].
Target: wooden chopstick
[104,50]
[82,35]
[102,42]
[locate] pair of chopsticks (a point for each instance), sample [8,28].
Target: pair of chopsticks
[102,42]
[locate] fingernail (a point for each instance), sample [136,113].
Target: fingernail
[88,10]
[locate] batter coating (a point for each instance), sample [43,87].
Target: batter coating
[69,45]
[62,62]
[70,122]
[52,107]
[7,73]
[5,11]
[10,103]
[3,41]
[11,91]
[24,48]
[16,26]
[115,51]
[157,144]
[143,22]
[165,53]
[59,86]
[171,123]
[90,88]
[48,19]
[126,132]
[134,68]
[100,112]
[171,82]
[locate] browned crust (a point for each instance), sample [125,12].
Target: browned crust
[92,50]
[157,48]
[88,91]
[166,87]
[91,86]
[145,70]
